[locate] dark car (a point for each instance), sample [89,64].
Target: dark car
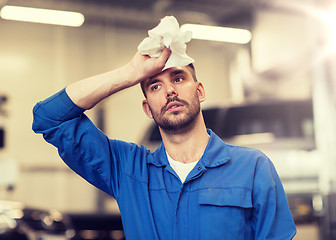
[268,122]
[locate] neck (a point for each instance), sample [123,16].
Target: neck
[187,145]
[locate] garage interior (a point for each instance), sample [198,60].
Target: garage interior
[289,59]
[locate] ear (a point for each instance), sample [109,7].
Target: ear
[200,92]
[146,108]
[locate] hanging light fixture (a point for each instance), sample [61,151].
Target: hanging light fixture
[39,15]
[221,34]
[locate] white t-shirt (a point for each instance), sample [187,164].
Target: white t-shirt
[182,169]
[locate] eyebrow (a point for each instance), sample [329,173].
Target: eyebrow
[176,72]
[151,81]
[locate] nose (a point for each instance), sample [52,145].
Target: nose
[171,91]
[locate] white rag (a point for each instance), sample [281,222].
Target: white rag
[168,34]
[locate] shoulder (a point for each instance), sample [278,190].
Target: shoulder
[133,158]
[252,159]
[236,154]
[128,151]
[246,153]
[250,162]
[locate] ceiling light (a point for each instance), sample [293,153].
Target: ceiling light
[328,19]
[215,33]
[38,15]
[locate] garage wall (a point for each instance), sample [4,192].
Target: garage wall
[38,60]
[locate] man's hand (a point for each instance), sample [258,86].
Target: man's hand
[144,66]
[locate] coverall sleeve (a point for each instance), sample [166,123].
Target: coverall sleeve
[83,147]
[272,218]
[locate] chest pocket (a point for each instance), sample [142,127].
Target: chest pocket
[234,197]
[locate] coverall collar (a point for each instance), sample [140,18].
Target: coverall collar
[215,154]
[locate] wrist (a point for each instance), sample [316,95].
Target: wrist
[130,74]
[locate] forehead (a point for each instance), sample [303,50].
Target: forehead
[169,72]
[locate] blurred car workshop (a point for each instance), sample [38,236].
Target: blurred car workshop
[270,81]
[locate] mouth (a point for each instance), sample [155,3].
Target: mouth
[174,106]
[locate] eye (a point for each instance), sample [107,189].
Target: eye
[155,87]
[178,79]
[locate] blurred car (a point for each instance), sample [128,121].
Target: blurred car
[18,222]
[97,226]
[284,131]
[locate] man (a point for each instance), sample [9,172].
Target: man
[194,186]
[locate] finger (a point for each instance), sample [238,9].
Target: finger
[165,53]
[162,59]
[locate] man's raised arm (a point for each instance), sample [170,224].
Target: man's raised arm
[88,92]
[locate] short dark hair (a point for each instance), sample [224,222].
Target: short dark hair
[192,71]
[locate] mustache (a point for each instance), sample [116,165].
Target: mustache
[173,99]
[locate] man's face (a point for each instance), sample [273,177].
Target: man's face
[173,98]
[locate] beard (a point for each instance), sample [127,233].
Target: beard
[177,121]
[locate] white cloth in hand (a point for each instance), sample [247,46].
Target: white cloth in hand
[168,34]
